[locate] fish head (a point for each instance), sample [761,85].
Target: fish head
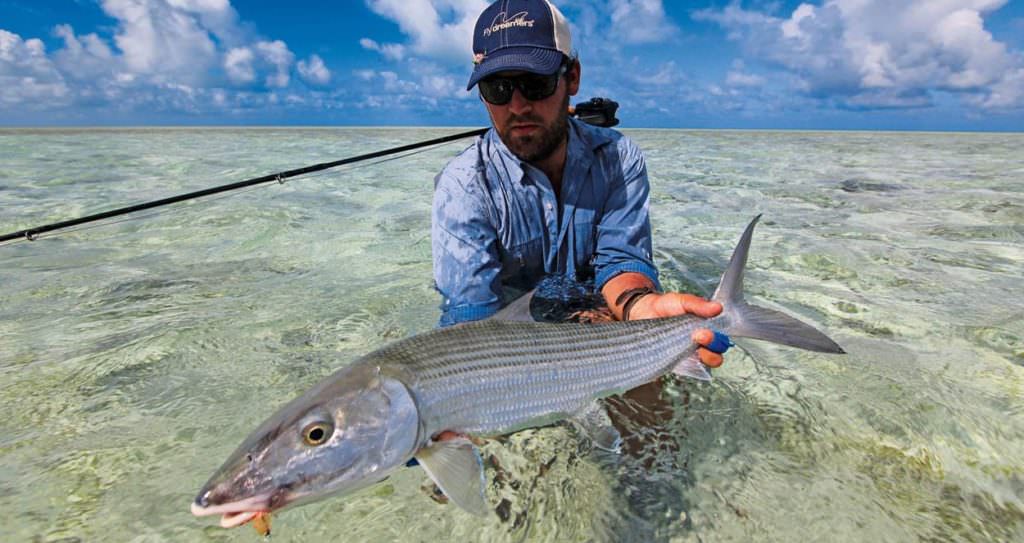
[346,433]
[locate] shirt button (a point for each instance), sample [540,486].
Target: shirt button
[549,205]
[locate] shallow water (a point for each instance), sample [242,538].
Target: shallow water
[134,357]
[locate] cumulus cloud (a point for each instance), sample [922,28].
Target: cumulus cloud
[82,57]
[439,29]
[276,54]
[174,55]
[313,71]
[427,85]
[164,39]
[27,76]
[738,77]
[641,21]
[883,53]
[238,65]
[392,51]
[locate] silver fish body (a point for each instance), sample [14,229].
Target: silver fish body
[495,377]
[483,378]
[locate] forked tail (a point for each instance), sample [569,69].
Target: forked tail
[757,322]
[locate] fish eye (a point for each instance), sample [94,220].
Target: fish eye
[317,433]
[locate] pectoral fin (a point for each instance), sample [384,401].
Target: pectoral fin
[594,421]
[456,468]
[692,367]
[517,311]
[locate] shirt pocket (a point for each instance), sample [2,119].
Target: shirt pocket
[522,265]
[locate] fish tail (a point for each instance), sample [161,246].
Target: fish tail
[751,321]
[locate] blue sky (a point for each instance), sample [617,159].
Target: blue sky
[821,64]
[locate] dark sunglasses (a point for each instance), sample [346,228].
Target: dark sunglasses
[498,90]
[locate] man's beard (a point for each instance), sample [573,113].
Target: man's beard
[538,147]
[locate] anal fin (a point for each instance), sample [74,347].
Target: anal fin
[692,367]
[456,468]
[595,422]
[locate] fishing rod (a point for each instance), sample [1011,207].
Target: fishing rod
[596,111]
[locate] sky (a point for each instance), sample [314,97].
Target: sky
[778,64]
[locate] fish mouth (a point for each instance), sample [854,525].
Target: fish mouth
[235,513]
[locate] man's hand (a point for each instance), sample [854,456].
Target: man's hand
[665,304]
[670,304]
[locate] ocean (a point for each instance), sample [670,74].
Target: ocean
[135,356]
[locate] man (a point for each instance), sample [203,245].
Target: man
[542,193]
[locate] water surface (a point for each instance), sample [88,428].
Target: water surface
[134,357]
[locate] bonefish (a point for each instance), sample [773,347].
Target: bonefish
[483,378]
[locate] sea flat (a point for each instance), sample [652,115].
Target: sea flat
[135,356]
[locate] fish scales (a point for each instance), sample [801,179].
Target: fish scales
[483,378]
[371,417]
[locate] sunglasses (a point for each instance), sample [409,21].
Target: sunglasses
[498,90]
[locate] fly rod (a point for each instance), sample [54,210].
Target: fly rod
[596,111]
[280,177]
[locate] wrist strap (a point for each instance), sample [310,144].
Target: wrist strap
[630,297]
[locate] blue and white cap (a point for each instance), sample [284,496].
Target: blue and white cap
[519,35]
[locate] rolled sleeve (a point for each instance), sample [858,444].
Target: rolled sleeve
[624,232]
[466,261]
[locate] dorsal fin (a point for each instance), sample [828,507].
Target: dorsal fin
[730,287]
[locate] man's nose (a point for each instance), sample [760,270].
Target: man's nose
[519,104]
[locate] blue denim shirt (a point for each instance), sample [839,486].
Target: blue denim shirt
[497,225]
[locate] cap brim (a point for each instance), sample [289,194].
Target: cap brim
[517,59]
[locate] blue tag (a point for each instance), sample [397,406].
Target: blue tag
[720,344]
[412,462]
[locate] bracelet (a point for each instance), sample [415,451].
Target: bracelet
[630,297]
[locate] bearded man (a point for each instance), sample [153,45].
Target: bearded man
[542,193]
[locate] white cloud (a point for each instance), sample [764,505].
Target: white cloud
[427,85]
[668,74]
[276,54]
[83,57]
[741,79]
[391,51]
[884,53]
[163,55]
[641,21]
[365,75]
[738,76]
[1008,93]
[439,29]
[27,76]
[313,71]
[238,65]
[163,39]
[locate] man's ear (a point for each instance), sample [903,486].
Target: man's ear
[572,78]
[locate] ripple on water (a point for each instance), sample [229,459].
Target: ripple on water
[135,357]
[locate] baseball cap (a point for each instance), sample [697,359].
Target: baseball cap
[519,35]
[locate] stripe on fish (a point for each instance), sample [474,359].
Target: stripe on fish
[482,378]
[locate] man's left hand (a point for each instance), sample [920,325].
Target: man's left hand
[671,304]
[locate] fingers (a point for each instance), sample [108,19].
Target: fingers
[708,358]
[675,303]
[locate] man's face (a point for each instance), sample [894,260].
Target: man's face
[533,130]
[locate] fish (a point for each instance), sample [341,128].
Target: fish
[424,399]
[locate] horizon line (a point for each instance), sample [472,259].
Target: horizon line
[18,127]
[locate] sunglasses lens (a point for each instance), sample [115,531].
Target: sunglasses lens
[496,91]
[538,87]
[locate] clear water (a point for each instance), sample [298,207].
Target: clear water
[134,357]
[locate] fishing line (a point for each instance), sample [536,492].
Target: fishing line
[210,200]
